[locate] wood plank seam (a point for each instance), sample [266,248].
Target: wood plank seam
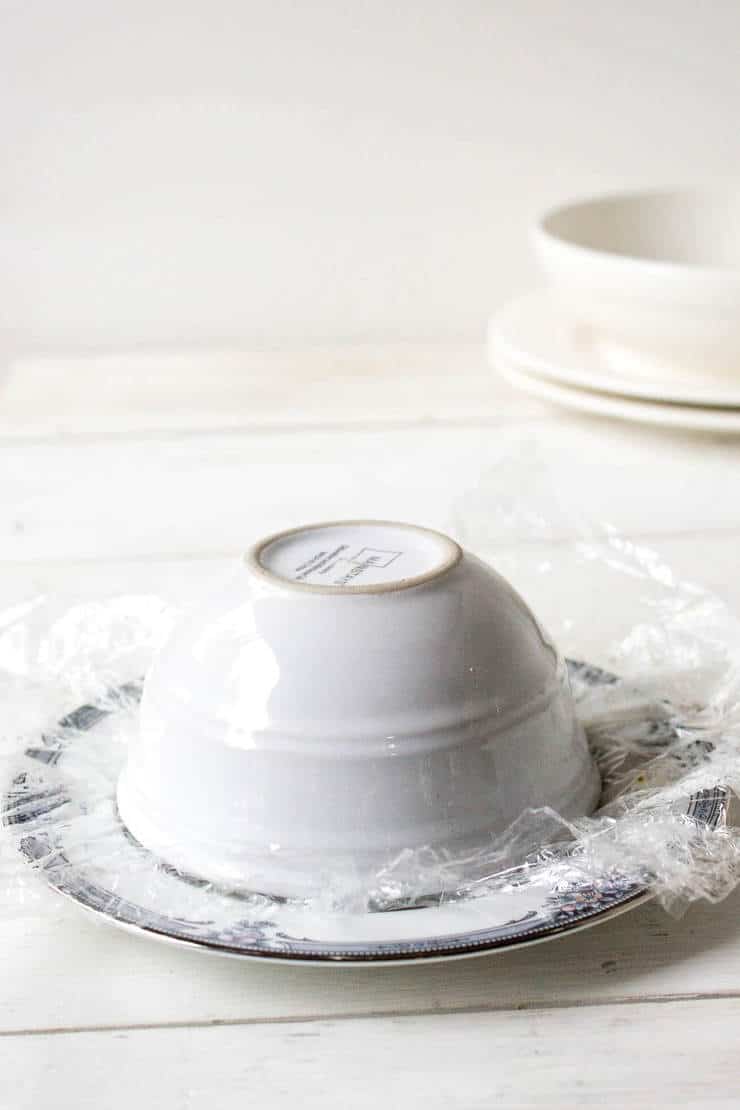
[374,1015]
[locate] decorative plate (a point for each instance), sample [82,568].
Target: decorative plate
[61,806]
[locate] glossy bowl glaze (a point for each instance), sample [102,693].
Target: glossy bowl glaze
[353,690]
[657,274]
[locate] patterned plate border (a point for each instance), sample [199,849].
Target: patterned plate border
[561,912]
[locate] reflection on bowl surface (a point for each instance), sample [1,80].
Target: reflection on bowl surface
[352,690]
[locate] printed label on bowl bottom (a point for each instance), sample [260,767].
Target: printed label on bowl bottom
[356,555]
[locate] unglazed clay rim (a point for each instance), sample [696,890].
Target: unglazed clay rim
[254,563]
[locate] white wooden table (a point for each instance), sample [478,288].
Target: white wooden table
[128,474]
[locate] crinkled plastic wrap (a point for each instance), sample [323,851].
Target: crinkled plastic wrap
[657,687]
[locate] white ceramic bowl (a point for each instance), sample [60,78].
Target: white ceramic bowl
[355,689]
[656,273]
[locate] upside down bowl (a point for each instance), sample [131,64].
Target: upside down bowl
[354,690]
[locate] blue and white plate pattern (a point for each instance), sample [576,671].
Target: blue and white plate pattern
[124,884]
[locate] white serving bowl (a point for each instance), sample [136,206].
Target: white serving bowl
[656,273]
[354,690]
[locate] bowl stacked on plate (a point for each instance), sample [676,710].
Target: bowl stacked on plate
[641,316]
[355,691]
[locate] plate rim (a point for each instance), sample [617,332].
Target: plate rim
[654,413]
[297,959]
[444,946]
[568,368]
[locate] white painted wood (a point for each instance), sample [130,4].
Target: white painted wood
[174,390]
[681,1054]
[209,494]
[62,969]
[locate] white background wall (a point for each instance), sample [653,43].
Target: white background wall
[269,171]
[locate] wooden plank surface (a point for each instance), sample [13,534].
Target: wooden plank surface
[680,1054]
[173,390]
[212,493]
[62,970]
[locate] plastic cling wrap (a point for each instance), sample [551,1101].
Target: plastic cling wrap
[658,694]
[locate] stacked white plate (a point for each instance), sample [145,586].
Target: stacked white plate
[641,317]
